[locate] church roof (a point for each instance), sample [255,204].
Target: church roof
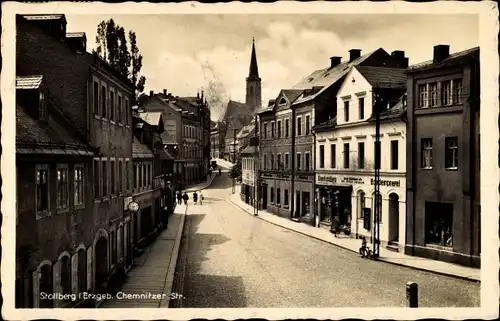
[254,68]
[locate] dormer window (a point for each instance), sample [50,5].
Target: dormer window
[42,107]
[282,101]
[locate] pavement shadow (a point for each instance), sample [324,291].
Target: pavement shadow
[217,291]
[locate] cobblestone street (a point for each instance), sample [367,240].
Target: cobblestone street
[230,259]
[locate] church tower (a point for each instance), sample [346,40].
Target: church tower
[254,95]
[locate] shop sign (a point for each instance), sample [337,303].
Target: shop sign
[327,179]
[352,180]
[332,180]
[388,183]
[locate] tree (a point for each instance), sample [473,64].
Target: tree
[111,41]
[236,169]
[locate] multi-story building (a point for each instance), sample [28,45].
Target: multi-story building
[249,174]
[443,186]
[217,140]
[345,156]
[54,217]
[317,103]
[95,99]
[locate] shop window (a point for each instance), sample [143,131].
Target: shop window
[439,223]
[426,144]
[361,203]
[321,156]
[451,153]
[394,154]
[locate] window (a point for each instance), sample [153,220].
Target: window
[361,155]
[272,161]
[299,126]
[321,156]
[103,101]
[439,223]
[333,156]
[42,188]
[150,175]
[62,188]
[79,186]
[113,178]
[299,158]
[97,179]
[278,196]
[139,176]
[96,98]
[434,94]
[285,202]
[272,194]
[272,129]
[362,203]
[104,179]
[265,162]
[307,165]
[346,155]
[426,152]
[120,113]
[120,176]
[423,96]
[279,128]
[287,127]
[144,176]
[113,248]
[394,154]
[308,124]
[127,112]
[287,162]
[446,93]
[111,105]
[457,91]
[361,108]
[451,155]
[346,111]
[42,108]
[265,130]
[280,164]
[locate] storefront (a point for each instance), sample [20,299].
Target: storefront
[304,198]
[349,199]
[276,193]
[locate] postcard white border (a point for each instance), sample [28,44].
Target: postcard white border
[488,17]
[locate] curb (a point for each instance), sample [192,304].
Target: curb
[169,278]
[200,189]
[466,278]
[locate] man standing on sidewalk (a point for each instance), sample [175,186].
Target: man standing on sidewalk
[179,197]
[185,197]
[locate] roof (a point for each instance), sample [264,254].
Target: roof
[29,82]
[54,136]
[253,72]
[152,118]
[453,59]
[246,130]
[43,16]
[326,77]
[167,139]
[140,150]
[249,150]
[398,111]
[237,115]
[330,123]
[164,154]
[292,94]
[382,77]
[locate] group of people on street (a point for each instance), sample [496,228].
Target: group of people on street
[184,197]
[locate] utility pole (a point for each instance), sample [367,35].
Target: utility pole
[376,227]
[234,157]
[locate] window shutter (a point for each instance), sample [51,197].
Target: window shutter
[89,269]
[36,289]
[74,273]
[56,272]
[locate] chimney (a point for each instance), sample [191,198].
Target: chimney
[164,92]
[55,24]
[151,93]
[354,54]
[404,62]
[77,41]
[335,61]
[398,54]
[441,52]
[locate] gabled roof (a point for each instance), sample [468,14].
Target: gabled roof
[140,150]
[249,150]
[453,59]
[29,82]
[326,77]
[152,118]
[329,124]
[382,77]
[397,111]
[246,130]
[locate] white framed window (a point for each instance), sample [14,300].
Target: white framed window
[287,127]
[446,93]
[42,200]
[299,126]
[79,185]
[423,96]
[451,154]
[287,161]
[307,160]
[457,91]
[62,188]
[299,161]
[433,94]
[279,129]
[426,150]
[308,124]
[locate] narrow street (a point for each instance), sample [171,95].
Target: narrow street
[229,259]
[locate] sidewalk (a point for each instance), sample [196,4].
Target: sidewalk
[152,277]
[203,185]
[353,244]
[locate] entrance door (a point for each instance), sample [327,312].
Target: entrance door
[298,205]
[393,218]
[264,197]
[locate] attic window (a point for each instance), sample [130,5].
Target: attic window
[282,101]
[42,107]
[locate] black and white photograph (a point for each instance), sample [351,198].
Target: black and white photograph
[250,160]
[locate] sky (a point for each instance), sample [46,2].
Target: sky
[187,53]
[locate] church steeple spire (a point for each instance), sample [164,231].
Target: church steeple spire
[254,69]
[254,96]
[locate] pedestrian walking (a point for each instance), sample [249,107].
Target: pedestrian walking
[179,197]
[195,198]
[201,198]
[185,197]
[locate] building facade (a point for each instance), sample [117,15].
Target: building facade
[249,174]
[217,140]
[95,99]
[443,191]
[345,161]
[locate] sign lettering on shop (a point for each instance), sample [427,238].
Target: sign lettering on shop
[387,183]
[327,179]
[352,180]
